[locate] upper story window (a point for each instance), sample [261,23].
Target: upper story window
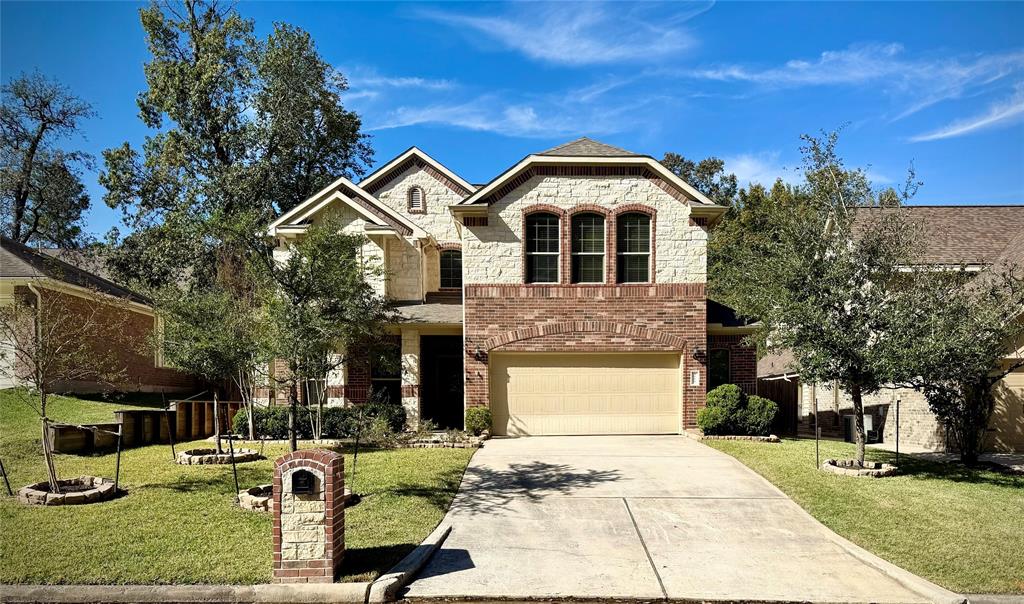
[542,248]
[633,247]
[417,202]
[451,269]
[588,248]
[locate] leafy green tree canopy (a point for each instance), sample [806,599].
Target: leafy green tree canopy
[42,197]
[707,176]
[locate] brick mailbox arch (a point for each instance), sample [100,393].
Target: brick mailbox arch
[309,516]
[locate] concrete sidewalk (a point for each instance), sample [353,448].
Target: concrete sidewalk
[643,517]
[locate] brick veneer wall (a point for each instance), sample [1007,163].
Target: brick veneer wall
[309,531]
[585,318]
[742,360]
[134,354]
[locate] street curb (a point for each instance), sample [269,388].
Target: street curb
[994,598]
[934,593]
[386,587]
[187,594]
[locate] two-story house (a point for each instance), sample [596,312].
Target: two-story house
[568,294]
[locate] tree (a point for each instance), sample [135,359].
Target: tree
[322,308]
[54,339]
[823,280]
[707,176]
[245,129]
[964,333]
[41,191]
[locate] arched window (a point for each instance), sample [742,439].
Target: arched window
[542,248]
[633,247]
[416,200]
[451,269]
[588,248]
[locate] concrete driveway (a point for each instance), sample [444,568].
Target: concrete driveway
[641,517]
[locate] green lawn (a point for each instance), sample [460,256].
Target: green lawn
[178,524]
[962,529]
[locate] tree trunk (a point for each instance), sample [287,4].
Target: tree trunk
[293,407]
[858,421]
[216,421]
[51,469]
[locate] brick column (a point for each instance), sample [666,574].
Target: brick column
[309,528]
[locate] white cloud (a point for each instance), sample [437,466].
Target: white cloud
[1003,113]
[583,33]
[918,82]
[762,168]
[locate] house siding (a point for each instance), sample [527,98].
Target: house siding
[437,196]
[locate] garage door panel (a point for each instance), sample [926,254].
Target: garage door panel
[533,394]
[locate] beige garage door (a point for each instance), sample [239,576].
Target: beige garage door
[554,393]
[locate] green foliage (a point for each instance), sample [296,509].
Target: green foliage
[338,422]
[707,176]
[478,419]
[236,139]
[392,414]
[42,197]
[730,411]
[758,416]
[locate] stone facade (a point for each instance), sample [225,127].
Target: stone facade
[493,254]
[437,196]
[309,529]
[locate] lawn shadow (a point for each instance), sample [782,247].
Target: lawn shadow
[443,562]
[371,562]
[919,466]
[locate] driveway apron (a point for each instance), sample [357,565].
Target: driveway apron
[649,517]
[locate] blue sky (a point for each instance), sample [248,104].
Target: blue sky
[478,86]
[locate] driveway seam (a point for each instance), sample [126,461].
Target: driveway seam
[647,552]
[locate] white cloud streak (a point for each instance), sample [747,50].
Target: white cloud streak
[762,168]
[1000,114]
[579,34]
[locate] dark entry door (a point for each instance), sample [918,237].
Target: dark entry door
[441,380]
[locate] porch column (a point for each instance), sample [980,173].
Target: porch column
[411,375]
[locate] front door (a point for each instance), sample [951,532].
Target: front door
[441,380]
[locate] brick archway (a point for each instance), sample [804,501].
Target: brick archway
[636,331]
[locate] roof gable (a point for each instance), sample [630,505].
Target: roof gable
[413,156]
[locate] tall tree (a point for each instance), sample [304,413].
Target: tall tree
[245,129]
[41,193]
[707,176]
[823,280]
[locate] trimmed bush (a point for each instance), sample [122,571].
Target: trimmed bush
[759,415]
[478,419]
[730,411]
[338,422]
[393,414]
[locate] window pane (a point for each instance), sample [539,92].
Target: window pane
[451,268]
[718,367]
[588,269]
[542,269]
[634,233]
[542,233]
[633,268]
[588,233]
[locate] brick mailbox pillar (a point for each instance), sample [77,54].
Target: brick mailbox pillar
[309,516]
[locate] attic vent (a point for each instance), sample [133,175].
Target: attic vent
[416,199]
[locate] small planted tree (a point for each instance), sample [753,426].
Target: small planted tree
[822,272]
[964,333]
[322,308]
[53,340]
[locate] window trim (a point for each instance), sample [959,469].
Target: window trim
[423,200]
[559,215]
[577,213]
[440,266]
[651,214]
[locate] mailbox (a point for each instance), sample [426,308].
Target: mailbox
[303,482]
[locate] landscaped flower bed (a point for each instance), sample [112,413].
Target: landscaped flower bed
[73,491]
[193,457]
[851,467]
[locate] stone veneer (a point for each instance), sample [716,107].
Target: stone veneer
[493,254]
[309,530]
[437,196]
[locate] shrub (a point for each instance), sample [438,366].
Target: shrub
[478,419]
[337,422]
[713,420]
[759,414]
[730,411]
[393,414]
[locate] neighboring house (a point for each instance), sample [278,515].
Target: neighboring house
[568,294]
[974,236]
[41,277]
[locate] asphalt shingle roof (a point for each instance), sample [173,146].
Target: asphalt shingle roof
[588,147]
[19,261]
